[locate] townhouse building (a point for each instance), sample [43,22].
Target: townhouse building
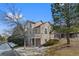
[38,33]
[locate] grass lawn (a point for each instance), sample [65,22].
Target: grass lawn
[62,49]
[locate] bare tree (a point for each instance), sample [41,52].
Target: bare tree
[12,17]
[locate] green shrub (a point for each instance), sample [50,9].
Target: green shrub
[18,41]
[51,42]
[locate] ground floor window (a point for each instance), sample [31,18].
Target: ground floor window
[33,42]
[36,42]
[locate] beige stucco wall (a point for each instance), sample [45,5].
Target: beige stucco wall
[51,36]
[45,37]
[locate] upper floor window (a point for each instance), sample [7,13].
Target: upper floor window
[45,31]
[36,30]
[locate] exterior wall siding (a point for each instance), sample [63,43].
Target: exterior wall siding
[41,33]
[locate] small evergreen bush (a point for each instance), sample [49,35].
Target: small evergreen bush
[51,42]
[16,40]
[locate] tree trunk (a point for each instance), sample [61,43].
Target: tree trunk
[67,37]
[24,43]
[60,36]
[24,39]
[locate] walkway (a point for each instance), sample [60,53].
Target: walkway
[29,51]
[5,50]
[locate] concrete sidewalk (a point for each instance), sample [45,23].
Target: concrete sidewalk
[9,53]
[29,51]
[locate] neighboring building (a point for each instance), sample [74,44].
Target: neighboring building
[38,33]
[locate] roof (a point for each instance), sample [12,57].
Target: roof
[39,25]
[30,21]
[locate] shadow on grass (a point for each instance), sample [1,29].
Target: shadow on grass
[52,51]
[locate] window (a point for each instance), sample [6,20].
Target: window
[45,40]
[45,31]
[33,42]
[36,30]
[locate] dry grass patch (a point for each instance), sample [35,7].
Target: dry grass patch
[62,49]
[66,53]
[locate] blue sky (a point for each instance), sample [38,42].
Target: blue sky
[31,11]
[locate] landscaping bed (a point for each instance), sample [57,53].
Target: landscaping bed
[51,42]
